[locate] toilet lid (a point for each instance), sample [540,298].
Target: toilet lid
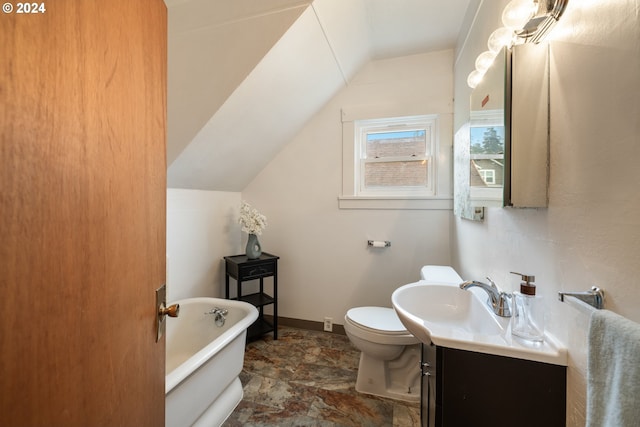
[379,318]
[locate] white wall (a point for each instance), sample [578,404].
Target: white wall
[590,234]
[325,266]
[202,227]
[204,64]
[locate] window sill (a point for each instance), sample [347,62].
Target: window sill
[390,202]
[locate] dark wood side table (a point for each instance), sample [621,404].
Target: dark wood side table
[243,269]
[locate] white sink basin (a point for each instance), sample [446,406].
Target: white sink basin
[447,316]
[424,309]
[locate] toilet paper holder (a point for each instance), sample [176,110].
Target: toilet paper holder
[379,243]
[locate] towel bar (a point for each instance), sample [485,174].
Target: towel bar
[593,297]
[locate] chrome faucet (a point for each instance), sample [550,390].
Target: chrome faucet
[218,315]
[498,300]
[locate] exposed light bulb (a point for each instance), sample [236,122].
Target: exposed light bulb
[484,60]
[499,38]
[474,78]
[517,13]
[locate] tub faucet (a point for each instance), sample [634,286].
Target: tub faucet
[218,310]
[498,300]
[218,315]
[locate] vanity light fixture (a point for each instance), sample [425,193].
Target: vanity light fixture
[545,17]
[517,13]
[525,21]
[501,37]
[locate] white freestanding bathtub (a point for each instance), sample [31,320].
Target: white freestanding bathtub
[204,360]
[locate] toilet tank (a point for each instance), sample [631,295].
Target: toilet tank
[440,273]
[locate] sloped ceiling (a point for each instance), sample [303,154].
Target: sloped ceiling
[245,76]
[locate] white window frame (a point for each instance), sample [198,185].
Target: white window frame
[442,157]
[428,123]
[488,176]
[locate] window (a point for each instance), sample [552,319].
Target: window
[488,175]
[395,156]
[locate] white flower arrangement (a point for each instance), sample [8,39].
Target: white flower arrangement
[252,221]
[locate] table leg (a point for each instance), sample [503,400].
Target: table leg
[275,302]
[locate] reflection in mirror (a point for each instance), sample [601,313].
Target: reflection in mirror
[462,207]
[486,159]
[489,136]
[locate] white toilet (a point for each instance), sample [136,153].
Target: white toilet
[390,355]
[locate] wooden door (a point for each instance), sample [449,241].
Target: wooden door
[82,213]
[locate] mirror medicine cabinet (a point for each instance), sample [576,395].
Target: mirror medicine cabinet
[508,140]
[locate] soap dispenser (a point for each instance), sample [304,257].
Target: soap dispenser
[527,318]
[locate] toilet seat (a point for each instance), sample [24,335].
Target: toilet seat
[379,325]
[377,319]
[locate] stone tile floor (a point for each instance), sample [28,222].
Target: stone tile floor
[307,378]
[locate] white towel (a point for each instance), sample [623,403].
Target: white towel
[613,376]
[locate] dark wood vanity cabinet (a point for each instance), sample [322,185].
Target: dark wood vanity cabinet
[465,388]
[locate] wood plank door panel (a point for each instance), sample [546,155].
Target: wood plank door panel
[82,209]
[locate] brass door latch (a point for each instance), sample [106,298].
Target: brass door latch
[163,311]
